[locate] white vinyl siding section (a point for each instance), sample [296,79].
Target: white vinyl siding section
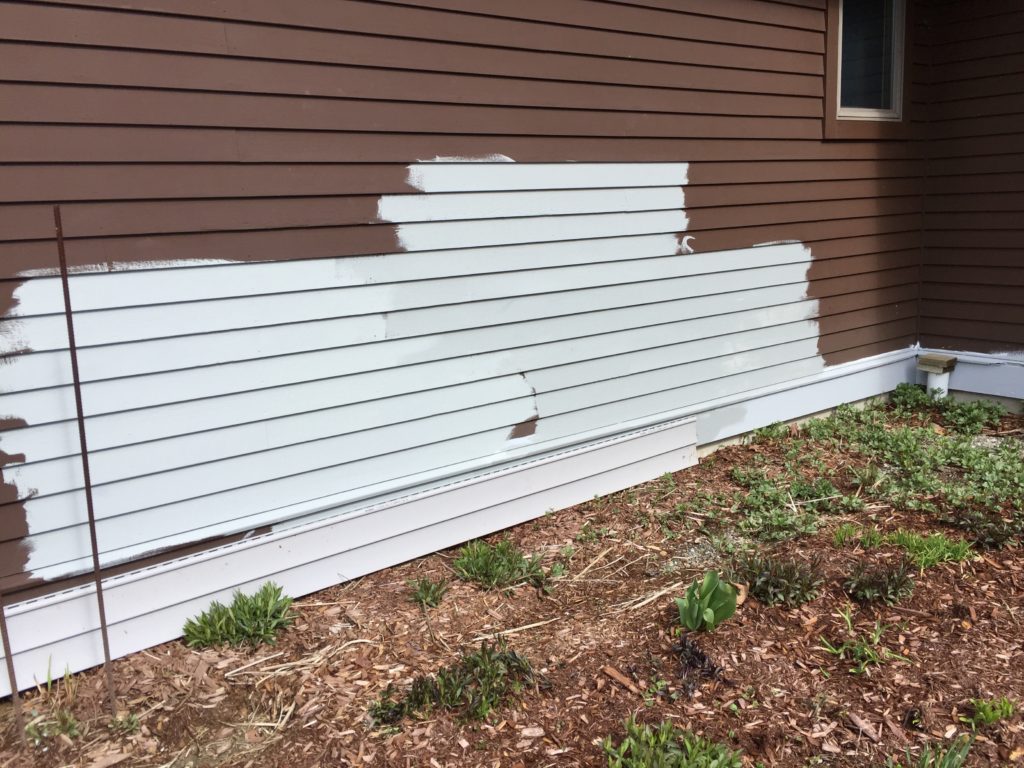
[222,398]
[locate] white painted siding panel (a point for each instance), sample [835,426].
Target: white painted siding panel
[226,397]
[148,607]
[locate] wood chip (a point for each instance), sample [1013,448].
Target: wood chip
[865,727]
[620,678]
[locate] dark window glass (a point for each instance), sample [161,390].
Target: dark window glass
[866,72]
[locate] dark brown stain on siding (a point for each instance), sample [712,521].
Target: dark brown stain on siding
[19,587]
[838,269]
[13,522]
[524,428]
[972,281]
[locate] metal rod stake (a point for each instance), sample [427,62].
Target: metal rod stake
[87,479]
[19,718]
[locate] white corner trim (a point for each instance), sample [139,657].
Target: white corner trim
[999,375]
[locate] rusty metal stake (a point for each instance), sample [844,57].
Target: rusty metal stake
[19,719]
[86,477]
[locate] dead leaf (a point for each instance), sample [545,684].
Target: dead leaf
[742,590]
[865,727]
[108,760]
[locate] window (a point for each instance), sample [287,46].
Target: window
[865,68]
[870,59]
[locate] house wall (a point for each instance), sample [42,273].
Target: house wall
[333,252]
[972,93]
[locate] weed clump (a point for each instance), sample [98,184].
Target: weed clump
[844,534]
[42,728]
[880,583]
[774,431]
[667,746]
[498,566]
[475,685]
[986,529]
[774,581]
[54,719]
[927,551]
[937,756]
[989,711]
[250,619]
[771,511]
[428,593]
[970,417]
[862,650]
[965,417]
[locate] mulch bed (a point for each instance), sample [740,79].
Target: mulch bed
[604,644]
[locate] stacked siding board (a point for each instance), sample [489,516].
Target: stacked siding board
[972,292]
[330,252]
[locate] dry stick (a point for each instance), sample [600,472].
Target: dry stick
[19,718]
[514,631]
[86,476]
[433,635]
[253,663]
[629,605]
[621,679]
[593,562]
[865,727]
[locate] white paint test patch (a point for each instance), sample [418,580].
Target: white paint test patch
[539,223]
[482,202]
[485,203]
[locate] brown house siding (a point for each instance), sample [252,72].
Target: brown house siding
[254,131]
[972,286]
[738,94]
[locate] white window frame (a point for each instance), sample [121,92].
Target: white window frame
[899,38]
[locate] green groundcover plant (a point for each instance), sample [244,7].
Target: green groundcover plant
[249,619]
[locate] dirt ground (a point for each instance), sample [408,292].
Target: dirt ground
[602,640]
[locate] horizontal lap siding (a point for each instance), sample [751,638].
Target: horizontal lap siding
[973,276]
[179,136]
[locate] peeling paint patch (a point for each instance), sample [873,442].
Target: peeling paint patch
[492,158]
[524,428]
[125,266]
[13,517]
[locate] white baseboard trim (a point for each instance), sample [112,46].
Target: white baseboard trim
[149,606]
[984,374]
[845,383]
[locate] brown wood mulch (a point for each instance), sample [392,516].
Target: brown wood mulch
[602,642]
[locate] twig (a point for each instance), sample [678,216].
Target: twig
[865,727]
[173,760]
[254,663]
[515,630]
[593,562]
[630,605]
[621,679]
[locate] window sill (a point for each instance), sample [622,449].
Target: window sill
[852,129]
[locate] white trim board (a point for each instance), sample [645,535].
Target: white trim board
[310,557]
[985,374]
